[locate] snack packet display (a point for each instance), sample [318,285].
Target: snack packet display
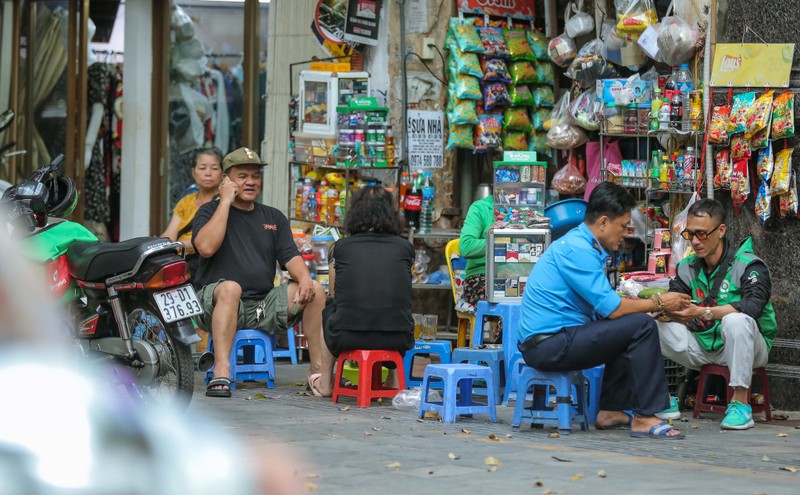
[758,115]
[544,72]
[740,181]
[561,50]
[543,96]
[516,119]
[523,72]
[763,202]
[466,35]
[568,180]
[460,137]
[718,129]
[788,202]
[634,16]
[463,112]
[514,141]
[760,139]
[537,142]
[783,116]
[521,95]
[518,46]
[538,42]
[722,163]
[764,163]
[590,64]
[495,70]
[488,133]
[494,44]
[740,148]
[495,95]
[468,88]
[541,119]
[781,172]
[741,104]
[466,63]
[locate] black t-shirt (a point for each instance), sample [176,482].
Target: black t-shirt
[254,241]
[372,283]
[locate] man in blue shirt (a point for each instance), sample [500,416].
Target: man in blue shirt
[572,319]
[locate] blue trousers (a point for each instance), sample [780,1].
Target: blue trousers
[628,346]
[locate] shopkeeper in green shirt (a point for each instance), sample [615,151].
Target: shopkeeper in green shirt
[472,246]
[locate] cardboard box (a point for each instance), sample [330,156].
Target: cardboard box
[608,89]
[525,253]
[523,281]
[658,263]
[662,239]
[499,288]
[512,287]
[499,253]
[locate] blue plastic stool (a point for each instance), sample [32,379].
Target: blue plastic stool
[457,393]
[441,348]
[255,349]
[565,413]
[510,314]
[491,357]
[594,378]
[290,352]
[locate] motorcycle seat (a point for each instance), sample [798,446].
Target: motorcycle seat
[95,261]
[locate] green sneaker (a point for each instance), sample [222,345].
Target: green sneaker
[738,417]
[674,411]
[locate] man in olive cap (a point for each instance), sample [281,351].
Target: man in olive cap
[239,241]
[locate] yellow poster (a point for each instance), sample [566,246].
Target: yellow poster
[752,64]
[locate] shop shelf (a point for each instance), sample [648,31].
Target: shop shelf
[334,167]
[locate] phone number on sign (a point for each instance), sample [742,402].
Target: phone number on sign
[425,161]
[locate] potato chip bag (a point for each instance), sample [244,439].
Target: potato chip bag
[758,115]
[740,182]
[516,118]
[515,141]
[763,202]
[495,70]
[783,116]
[460,137]
[538,43]
[781,172]
[466,63]
[488,133]
[466,35]
[760,139]
[740,148]
[543,96]
[495,95]
[722,162]
[765,164]
[463,112]
[718,129]
[537,142]
[521,95]
[541,119]
[741,104]
[468,88]
[788,202]
[544,72]
[518,46]
[523,72]
[494,45]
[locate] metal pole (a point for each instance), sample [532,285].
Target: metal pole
[404,76]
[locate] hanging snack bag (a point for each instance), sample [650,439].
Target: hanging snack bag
[590,64]
[740,148]
[516,119]
[518,46]
[561,50]
[783,116]
[741,104]
[568,180]
[718,129]
[761,138]
[763,202]
[537,142]
[468,88]
[494,45]
[488,133]
[463,112]
[495,70]
[788,202]
[541,119]
[544,72]
[563,135]
[740,182]
[466,63]
[514,141]
[495,95]
[466,35]
[782,172]
[523,72]
[634,16]
[543,96]
[538,42]
[757,116]
[722,162]
[449,38]
[765,164]
[460,137]
[521,95]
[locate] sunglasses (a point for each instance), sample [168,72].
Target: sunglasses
[701,235]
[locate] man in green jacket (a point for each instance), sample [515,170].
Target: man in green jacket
[472,246]
[731,321]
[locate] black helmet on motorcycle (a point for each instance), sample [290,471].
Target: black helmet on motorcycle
[63,195]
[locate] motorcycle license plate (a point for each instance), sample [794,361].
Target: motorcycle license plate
[178,304]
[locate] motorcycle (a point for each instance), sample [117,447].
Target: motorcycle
[5,120]
[131,302]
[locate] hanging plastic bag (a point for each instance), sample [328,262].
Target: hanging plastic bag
[590,65]
[634,16]
[722,162]
[538,42]
[544,72]
[579,24]
[763,202]
[788,202]
[680,246]
[782,172]
[758,115]
[561,50]
[466,35]
[494,45]
[765,163]
[583,111]
[568,180]
[740,183]
[783,116]
[676,41]
[563,135]
[720,121]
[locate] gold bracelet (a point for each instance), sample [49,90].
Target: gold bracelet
[658,303]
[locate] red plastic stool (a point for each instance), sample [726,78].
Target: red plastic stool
[713,369]
[369,376]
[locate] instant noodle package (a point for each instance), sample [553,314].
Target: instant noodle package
[783,116]
[782,172]
[718,128]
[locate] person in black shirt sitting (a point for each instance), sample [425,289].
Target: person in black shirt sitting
[239,242]
[370,284]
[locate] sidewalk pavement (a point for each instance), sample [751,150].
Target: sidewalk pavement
[352,450]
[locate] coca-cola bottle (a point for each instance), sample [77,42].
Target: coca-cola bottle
[413,203]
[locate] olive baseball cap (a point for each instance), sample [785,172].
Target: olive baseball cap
[241,156]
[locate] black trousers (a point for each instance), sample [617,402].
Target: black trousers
[628,346]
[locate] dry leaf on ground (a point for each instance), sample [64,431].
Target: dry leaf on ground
[509,435]
[464,430]
[299,384]
[538,484]
[431,415]
[492,469]
[780,416]
[602,474]
[345,408]
[765,458]
[386,417]
[309,487]
[576,477]
[548,491]
[311,476]
[492,436]
[694,427]
[554,435]
[491,461]
[375,428]
[782,435]
[394,465]
[791,469]
[420,420]
[452,456]
[367,434]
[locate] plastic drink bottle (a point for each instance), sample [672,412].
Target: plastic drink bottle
[428,192]
[413,203]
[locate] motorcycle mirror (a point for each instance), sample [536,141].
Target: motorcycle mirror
[205,362]
[6,118]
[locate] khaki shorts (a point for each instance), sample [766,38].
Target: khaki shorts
[268,315]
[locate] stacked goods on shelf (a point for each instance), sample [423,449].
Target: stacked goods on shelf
[364,138]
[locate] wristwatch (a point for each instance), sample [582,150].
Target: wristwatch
[708,315]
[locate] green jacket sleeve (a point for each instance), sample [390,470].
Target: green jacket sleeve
[473,233]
